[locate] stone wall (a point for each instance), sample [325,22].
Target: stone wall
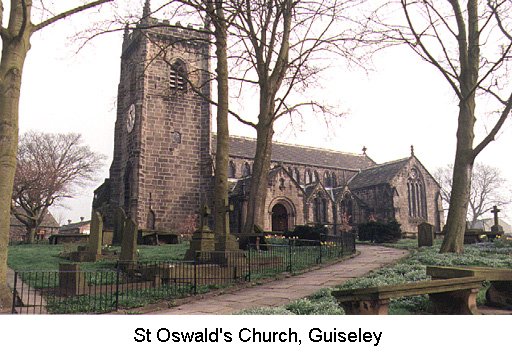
[164,163]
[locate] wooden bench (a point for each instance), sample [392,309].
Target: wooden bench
[452,296]
[500,290]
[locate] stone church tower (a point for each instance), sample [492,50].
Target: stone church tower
[161,170]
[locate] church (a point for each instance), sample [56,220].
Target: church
[164,152]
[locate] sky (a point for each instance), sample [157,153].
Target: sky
[400,101]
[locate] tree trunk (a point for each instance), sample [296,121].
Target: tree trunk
[222,155]
[461,187]
[260,169]
[14,52]
[31,235]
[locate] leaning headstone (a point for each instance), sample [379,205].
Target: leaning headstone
[119,223]
[129,244]
[425,235]
[95,237]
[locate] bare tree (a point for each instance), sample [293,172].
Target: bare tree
[283,45]
[488,189]
[50,167]
[15,46]
[469,43]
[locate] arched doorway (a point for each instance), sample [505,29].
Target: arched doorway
[279,218]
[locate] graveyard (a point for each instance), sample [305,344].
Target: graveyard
[95,278]
[99,278]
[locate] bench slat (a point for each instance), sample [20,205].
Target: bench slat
[408,289]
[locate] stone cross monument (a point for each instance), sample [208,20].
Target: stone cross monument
[203,239]
[496,228]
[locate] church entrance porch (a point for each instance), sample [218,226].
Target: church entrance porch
[279,218]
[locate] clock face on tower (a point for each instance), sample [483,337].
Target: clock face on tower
[130,118]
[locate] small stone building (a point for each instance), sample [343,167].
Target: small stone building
[162,169]
[18,231]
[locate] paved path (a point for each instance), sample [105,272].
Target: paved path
[281,292]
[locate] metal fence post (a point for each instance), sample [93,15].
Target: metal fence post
[13,310]
[118,271]
[289,255]
[249,266]
[320,249]
[195,273]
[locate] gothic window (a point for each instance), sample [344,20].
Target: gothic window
[333,180]
[320,209]
[178,76]
[315,176]
[296,175]
[231,170]
[246,169]
[346,209]
[327,179]
[416,195]
[133,80]
[307,177]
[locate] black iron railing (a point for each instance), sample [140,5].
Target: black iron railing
[134,284]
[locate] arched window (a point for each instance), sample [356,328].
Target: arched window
[246,169]
[307,177]
[178,76]
[231,169]
[416,195]
[296,175]
[320,209]
[333,180]
[346,210]
[315,176]
[327,179]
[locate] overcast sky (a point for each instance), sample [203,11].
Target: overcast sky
[400,102]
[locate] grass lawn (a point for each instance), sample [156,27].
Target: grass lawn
[413,268]
[45,257]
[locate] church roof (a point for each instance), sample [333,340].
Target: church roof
[377,175]
[243,147]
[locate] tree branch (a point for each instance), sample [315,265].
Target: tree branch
[67,14]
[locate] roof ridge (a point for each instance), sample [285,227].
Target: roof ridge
[386,163]
[299,146]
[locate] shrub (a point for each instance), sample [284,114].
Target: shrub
[380,232]
[316,232]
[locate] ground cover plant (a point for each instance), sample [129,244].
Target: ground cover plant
[38,267]
[411,269]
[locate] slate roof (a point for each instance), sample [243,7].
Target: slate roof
[244,147]
[70,226]
[377,175]
[48,221]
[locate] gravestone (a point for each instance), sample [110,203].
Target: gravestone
[95,237]
[496,228]
[119,223]
[129,244]
[227,242]
[70,280]
[425,235]
[203,239]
